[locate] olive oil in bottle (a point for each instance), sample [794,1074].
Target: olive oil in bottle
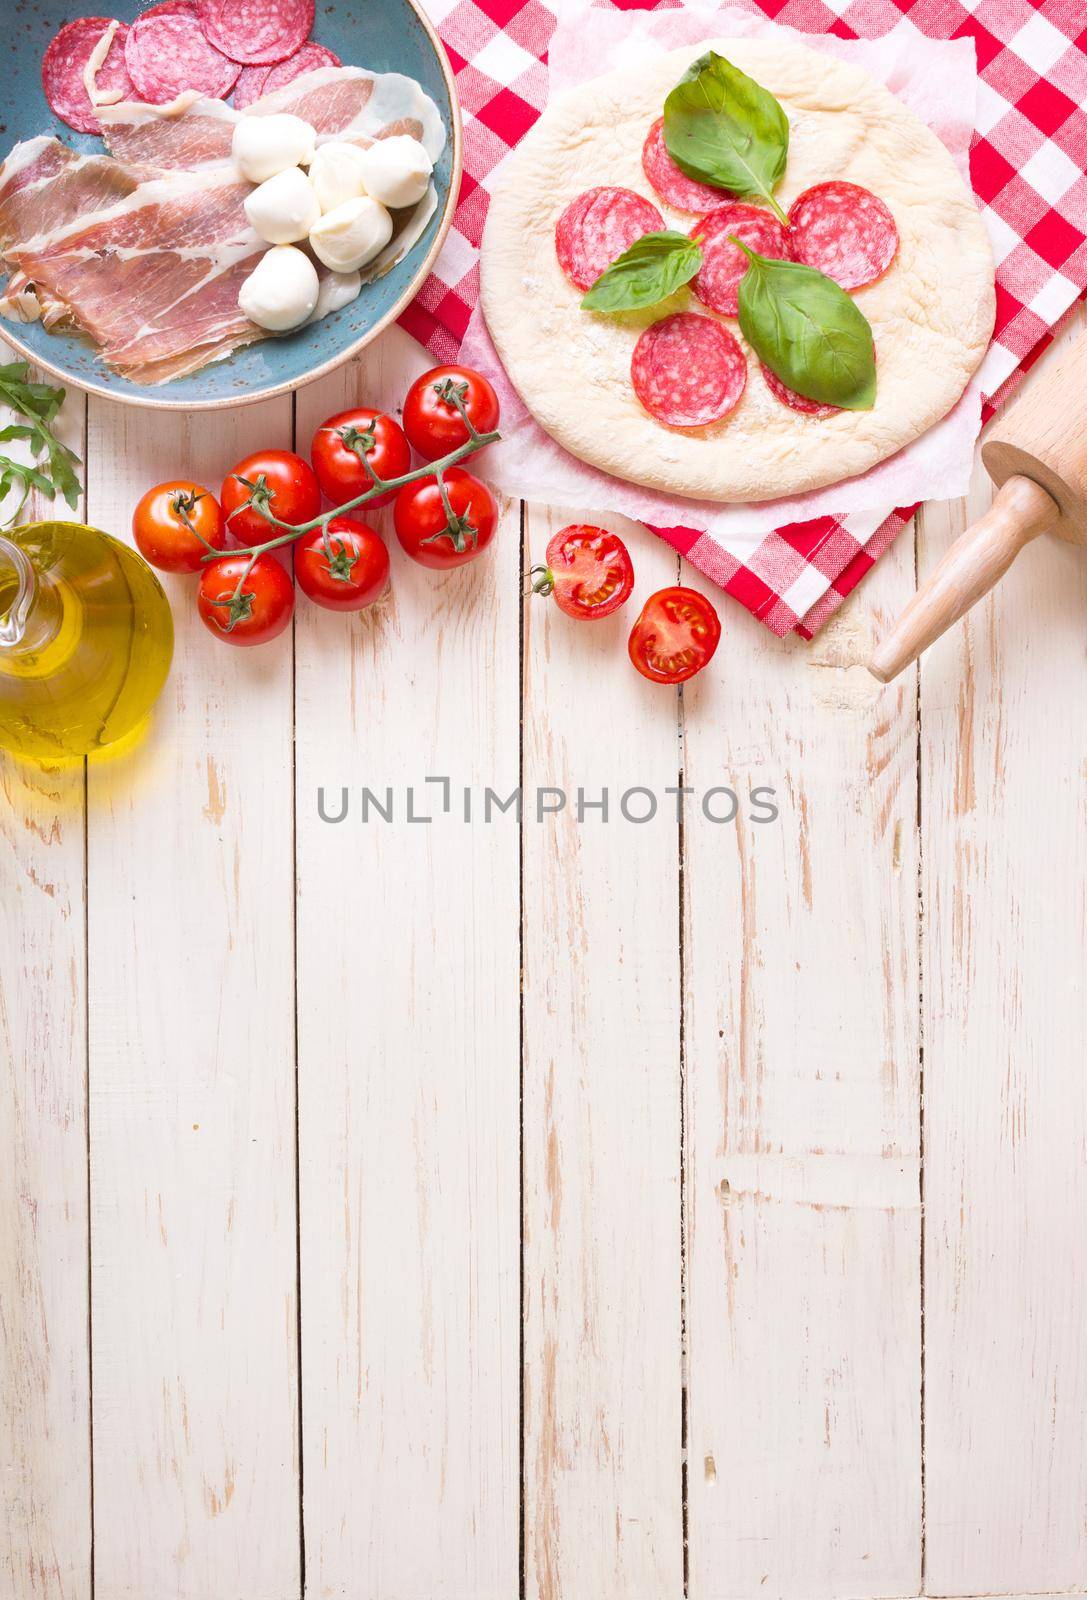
[86,639]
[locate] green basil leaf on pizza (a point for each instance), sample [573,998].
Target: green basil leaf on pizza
[724,129]
[654,266]
[807,330]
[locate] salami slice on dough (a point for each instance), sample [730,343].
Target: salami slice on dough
[62,71]
[795,402]
[597,227]
[308,59]
[674,186]
[167,52]
[843,230]
[688,370]
[717,282]
[256,31]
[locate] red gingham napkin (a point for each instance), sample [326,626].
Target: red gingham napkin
[1029,168]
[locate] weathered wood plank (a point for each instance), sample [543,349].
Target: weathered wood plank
[1005,860]
[192,1087]
[802,1186]
[408,1068]
[45,1490]
[603,1375]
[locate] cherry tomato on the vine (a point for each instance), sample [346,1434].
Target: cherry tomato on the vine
[347,571]
[252,614]
[338,448]
[588,571]
[174,523]
[279,479]
[427,531]
[675,635]
[432,420]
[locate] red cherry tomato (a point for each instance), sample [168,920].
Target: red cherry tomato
[432,421]
[292,492]
[588,571]
[348,572]
[675,636]
[335,453]
[161,525]
[259,612]
[424,528]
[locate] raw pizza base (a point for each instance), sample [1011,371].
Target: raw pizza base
[931,313]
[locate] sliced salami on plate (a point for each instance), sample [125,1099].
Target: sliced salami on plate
[63,66]
[167,52]
[673,185]
[597,227]
[308,59]
[717,281]
[250,85]
[256,31]
[688,370]
[843,230]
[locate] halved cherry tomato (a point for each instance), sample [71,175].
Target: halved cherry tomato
[340,444]
[588,571]
[348,571]
[259,612]
[164,521]
[282,480]
[431,419]
[675,636]
[425,530]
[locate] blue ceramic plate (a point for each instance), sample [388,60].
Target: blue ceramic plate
[384,35]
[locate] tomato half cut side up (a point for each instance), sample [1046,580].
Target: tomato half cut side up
[588,570]
[675,635]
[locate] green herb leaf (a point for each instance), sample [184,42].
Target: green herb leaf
[55,472]
[808,331]
[654,267]
[723,128]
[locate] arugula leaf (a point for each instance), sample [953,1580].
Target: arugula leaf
[723,128]
[654,267]
[55,470]
[808,331]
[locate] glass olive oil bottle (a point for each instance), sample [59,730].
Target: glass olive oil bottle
[86,639]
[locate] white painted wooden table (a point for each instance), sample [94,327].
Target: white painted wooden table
[456,1210]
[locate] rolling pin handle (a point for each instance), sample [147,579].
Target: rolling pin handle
[976,561]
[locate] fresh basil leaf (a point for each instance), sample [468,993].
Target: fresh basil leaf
[808,331]
[654,267]
[723,128]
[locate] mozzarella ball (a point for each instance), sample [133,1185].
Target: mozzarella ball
[336,174]
[263,146]
[396,171]
[353,234]
[281,291]
[283,209]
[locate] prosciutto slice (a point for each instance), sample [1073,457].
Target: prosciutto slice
[148,264]
[343,103]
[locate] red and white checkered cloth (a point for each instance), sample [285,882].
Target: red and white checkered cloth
[1029,168]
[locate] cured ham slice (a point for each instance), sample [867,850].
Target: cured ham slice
[345,103]
[148,264]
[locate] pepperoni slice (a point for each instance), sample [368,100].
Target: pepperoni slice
[308,59]
[256,31]
[167,53]
[688,370]
[795,402]
[250,84]
[597,227]
[717,282]
[843,230]
[62,71]
[674,186]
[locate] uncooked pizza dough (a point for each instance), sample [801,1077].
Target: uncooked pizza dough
[931,313]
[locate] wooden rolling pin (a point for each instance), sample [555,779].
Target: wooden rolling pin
[1037,456]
